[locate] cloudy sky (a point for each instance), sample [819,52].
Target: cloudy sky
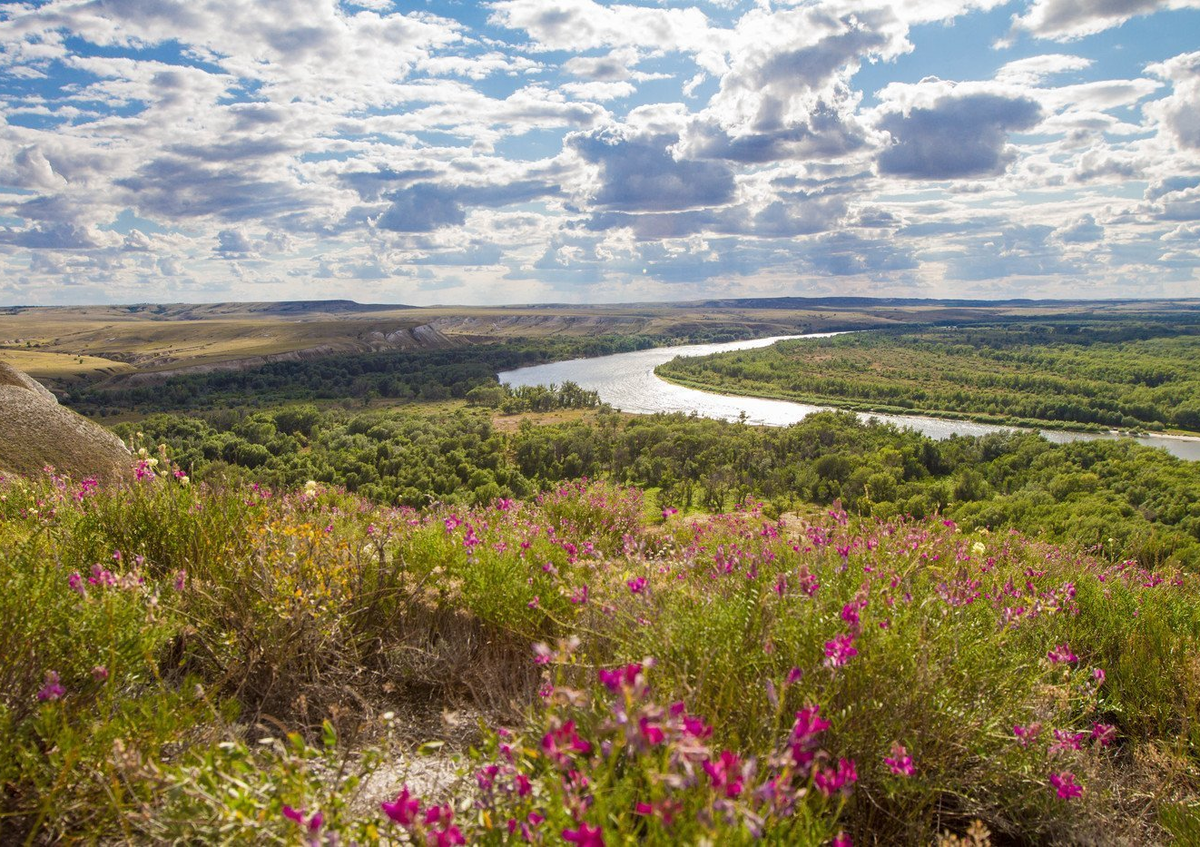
[521,151]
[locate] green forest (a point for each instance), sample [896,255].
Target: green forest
[1132,500]
[1134,374]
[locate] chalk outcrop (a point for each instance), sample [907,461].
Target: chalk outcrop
[35,431]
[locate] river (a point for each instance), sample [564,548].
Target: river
[627,382]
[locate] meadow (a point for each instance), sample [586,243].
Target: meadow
[191,663]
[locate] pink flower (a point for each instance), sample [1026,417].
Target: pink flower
[1098,675]
[1104,733]
[99,673]
[842,840]
[1066,740]
[584,835]
[637,586]
[850,614]
[1026,735]
[404,809]
[839,651]
[1065,784]
[75,583]
[297,815]
[651,734]
[829,781]
[725,773]
[900,762]
[1062,655]
[52,690]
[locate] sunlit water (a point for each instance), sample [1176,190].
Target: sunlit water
[626,381]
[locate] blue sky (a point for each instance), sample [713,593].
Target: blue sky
[523,151]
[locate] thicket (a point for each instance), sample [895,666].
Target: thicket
[192,665]
[1129,374]
[1116,495]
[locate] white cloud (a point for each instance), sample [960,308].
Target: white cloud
[1064,20]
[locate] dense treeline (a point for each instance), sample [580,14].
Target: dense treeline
[398,375]
[1145,500]
[1129,374]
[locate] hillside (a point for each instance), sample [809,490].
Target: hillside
[36,432]
[255,665]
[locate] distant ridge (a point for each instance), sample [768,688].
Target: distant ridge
[850,302]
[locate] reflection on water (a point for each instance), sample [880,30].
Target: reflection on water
[626,381]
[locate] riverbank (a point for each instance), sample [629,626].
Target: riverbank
[931,414]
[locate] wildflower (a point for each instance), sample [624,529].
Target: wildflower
[1062,654]
[1066,740]
[584,835]
[839,651]
[978,548]
[900,762]
[651,734]
[1026,735]
[75,583]
[637,586]
[100,673]
[794,676]
[313,824]
[1098,675]
[613,680]
[842,840]
[696,727]
[446,834]
[52,690]
[1065,784]
[850,614]
[1104,733]
[404,809]
[725,773]
[829,781]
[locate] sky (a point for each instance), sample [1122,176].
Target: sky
[577,151]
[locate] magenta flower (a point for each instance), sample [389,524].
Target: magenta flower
[1065,784]
[75,583]
[312,824]
[839,651]
[1104,733]
[637,586]
[696,727]
[1098,675]
[1067,740]
[725,773]
[52,690]
[404,809]
[1062,655]
[585,835]
[651,733]
[900,762]
[850,614]
[842,840]
[446,834]
[1026,735]
[615,679]
[830,781]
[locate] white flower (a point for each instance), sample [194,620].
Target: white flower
[978,549]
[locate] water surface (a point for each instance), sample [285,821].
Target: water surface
[627,382]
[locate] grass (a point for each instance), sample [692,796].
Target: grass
[41,364]
[230,662]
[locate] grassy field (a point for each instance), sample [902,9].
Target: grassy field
[181,664]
